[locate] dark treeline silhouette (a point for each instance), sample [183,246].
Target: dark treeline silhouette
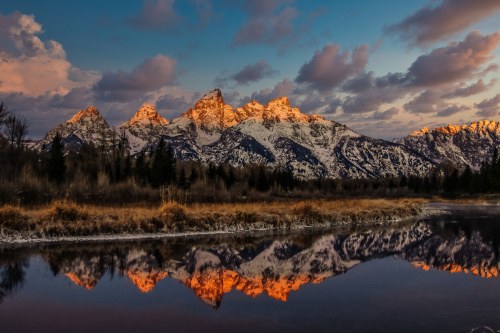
[106,173]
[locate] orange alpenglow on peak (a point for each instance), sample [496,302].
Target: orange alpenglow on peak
[210,286]
[480,126]
[85,282]
[91,113]
[211,112]
[146,281]
[484,272]
[147,115]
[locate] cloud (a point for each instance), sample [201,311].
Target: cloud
[452,109]
[439,69]
[173,105]
[488,107]
[269,22]
[386,115]
[33,66]
[150,75]
[457,61]
[433,23]
[155,14]
[433,101]
[248,74]
[330,67]
[370,100]
[463,90]
[282,88]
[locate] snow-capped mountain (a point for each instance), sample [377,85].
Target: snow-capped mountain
[143,127]
[274,135]
[87,126]
[278,135]
[462,145]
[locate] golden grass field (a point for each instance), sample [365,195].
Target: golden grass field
[63,218]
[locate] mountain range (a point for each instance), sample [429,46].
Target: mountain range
[275,267]
[279,135]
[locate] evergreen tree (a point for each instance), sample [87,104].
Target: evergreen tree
[163,167]
[262,184]
[56,167]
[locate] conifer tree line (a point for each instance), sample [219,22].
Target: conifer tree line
[109,174]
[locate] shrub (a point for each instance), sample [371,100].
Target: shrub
[11,217]
[173,211]
[65,211]
[304,208]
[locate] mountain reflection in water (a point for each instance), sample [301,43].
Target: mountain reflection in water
[274,265]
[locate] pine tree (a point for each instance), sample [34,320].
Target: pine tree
[163,167]
[56,167]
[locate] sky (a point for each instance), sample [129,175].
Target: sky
[384,68]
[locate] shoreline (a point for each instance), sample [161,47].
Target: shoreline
[389,215]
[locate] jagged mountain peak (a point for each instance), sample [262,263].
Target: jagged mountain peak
[89,114]
[211,113]
[463,144]
[280,102]
[453,129]
[213,94]
[147,115]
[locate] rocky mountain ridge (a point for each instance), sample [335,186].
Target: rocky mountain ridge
[273,135]
[462,145]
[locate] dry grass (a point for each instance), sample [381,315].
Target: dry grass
[63,218]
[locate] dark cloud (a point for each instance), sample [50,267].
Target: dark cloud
[451,110]
[369,100]
[47,110]
[463,90]
[432,101]
[316,103]
[172,104]
[155,14]
[457,61]
[439,69]
[385,115]
[488,107]
[269,22]
[151,75]
[254,72]
[248,74]
[330,67]
[432,23]
[282,88]
[429,101]
[231,97]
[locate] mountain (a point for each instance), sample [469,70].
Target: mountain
[461,145]
[273,135]
[143,127]
[85,127]
[276,134]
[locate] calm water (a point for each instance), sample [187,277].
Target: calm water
[430,276]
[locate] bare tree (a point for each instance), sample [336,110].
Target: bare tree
[4,114]
[16,129]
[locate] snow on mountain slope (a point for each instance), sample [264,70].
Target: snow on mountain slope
[144,127]
[87,126]
[462,145]
[274,135]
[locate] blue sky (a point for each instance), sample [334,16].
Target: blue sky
[205,43]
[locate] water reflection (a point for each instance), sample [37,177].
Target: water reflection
[274,265]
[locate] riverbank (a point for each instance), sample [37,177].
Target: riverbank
[64,220]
